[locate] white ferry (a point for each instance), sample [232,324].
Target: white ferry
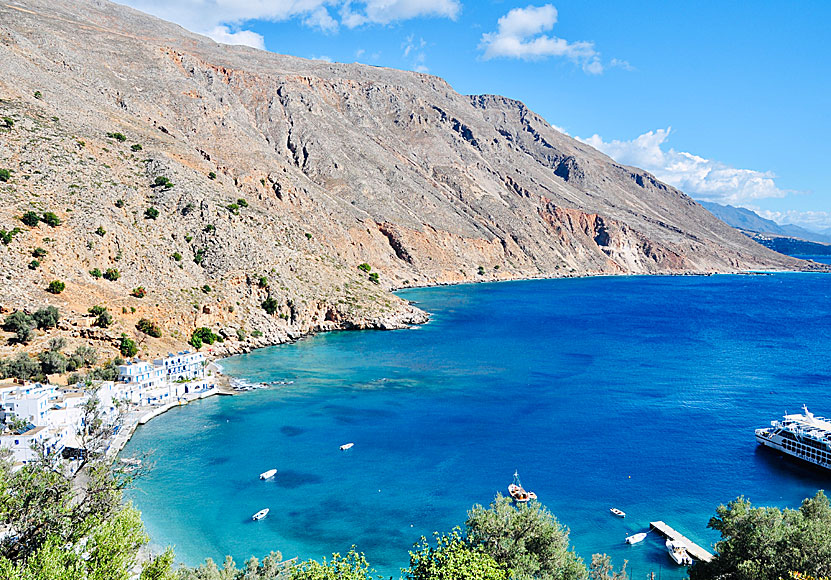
[805,437]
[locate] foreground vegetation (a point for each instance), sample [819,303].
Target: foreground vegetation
[65,527]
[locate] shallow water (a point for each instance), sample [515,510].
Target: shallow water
[640,393]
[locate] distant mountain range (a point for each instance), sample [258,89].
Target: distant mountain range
[745,219]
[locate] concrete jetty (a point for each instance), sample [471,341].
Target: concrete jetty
[693,549]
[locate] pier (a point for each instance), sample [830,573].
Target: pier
[693,549]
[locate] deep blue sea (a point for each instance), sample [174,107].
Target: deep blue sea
[640,393]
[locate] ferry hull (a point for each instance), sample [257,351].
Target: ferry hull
[772,441]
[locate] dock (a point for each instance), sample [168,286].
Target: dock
[693,549]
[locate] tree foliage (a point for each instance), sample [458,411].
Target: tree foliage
[526,539]
[766,543]
[31,219]
[149,328]
[56,287]
[352,566]
[127,347]
[20,324]
[453,557]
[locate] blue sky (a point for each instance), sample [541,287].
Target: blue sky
[729,101]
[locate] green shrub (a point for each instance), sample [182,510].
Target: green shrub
[162,181]
[308,236]
[5,175]
[34,265]
[199,256]
[87,354]
[38,95]
[262,282]
[56,287]
[112,274]
[21,324]
[177,256]
[211,175]
[117,136]
[50,219]
[95,273]
[373,277]
[242,203]
[103,318]
[38,252]
[270,305]
[6,237]
[481,271]
[46,318]
[52,362]
[127,347]
[203,335]
[101,231]
[364,267]
[31,219]
[8,122]
[240,334]
[151,213]
[206,289]
[256,333]
[139,292]
[149,328]
[119,203]
[188,238]
[135,147]
[189,207]
[233,208]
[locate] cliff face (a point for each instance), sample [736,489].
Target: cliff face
[338,165]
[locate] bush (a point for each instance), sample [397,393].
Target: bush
[233,208]
[56,287]
[119,203]
[211,175]
[5,175]
[242,203]
[46,318]
[177,256]
[199,256]
[22,366]
[52,362]
[95,273]
[112,274]
[256,333]
[270,305]
[162,181]
[373,277]
[101,231]
[209,228]
[38,95]
[308,236]
[38,252]
[34,265]
[195,341]
[127,347]
[87,354]
[139,292]
[31,219]
[20,324]
[149,328]
[203,335]
[117,136]
[454,558]
[7,237]
[103,318]
[8,122]
[50,219]
[364,267]
[206,289]
[151,213]
[135,147]
[262,282]
[188,238]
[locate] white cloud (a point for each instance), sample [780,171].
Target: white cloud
[223,34]
[817,221]
[414,49]
[520,34]
[222,19]
[697,176]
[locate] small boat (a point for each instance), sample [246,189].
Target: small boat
[678,552]
[268,474]
[635,538]
[346,446]
[518,493]
[131,461]
[617,512]
[260,514]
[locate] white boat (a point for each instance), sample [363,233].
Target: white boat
[617,512]
[805,437]
[260,514]
[516,491]
[635,538]
[346,446]
[678,552]
[268,474]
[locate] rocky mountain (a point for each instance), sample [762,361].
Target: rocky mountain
[748,220]
[221,178]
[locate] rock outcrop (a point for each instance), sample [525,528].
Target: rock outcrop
[113,112]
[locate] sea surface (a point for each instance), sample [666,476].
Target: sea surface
[639,393]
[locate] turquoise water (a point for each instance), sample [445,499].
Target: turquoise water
[640,393]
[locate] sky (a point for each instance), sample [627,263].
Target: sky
[728,101]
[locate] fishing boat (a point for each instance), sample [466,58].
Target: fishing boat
[635,538]
[346,446]
[678,552]
[617,512]
[518,493]
[268,474]
[260,514]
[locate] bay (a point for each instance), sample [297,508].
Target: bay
[639,393]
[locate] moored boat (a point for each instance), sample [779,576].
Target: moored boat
[635,538]
[260,514]
[678,552]
[346,446]
[518,493]
[617,512]
[268,474]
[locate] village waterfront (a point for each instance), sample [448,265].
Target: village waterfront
[639,393]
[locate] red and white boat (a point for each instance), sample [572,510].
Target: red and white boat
[518,493]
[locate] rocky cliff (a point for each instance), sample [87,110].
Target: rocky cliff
[111,113]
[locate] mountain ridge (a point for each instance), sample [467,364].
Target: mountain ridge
[338,165]
[746,219]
